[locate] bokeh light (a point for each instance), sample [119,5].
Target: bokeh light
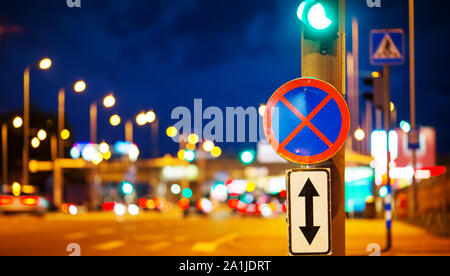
[109,101]
[189,155]
[141,119]
[42,135]
[35,142]
[79,86]
[175,189]
[17,122]
[187,193]
[171,132]
[216,152]
[193,139]
[115,120]
[360,134]
[65,134]
[208,146]
[151,117]
[45,64]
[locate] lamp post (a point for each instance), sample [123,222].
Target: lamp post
[412,72]
[79,87]
[151,119]
[44,64]
[5,154]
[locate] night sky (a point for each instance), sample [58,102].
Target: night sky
[160,54]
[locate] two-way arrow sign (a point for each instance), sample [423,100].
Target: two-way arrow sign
[309,192]
[309,211]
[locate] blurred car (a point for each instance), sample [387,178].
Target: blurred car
[193,208]
[25,203]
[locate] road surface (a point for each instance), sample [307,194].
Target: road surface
[171,235]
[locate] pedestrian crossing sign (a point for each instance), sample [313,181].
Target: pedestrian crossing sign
[387,46]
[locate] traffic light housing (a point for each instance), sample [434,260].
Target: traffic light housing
[320,19]
[376,81]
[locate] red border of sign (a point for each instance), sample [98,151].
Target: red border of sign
[343,107]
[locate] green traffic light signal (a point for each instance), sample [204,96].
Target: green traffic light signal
[320,18]
[127,188]
[247,157]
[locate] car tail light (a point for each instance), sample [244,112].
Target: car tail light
[6,200]
[108,206]
[29,201]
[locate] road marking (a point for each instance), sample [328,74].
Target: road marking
[148,237]
[111,245]
[159,245]
[208,247]
[105,231]
[75,236]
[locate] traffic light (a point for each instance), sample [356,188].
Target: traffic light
[127,188]
[377,83]
[320,19]
[247,157]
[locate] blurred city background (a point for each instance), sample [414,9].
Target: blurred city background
[88,154]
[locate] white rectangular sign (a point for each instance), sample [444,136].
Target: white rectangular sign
[309,211]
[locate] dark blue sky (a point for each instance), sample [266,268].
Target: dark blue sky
[161,54]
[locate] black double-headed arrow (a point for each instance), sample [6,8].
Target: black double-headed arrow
[309,192]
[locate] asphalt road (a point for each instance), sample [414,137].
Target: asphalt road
[171,235]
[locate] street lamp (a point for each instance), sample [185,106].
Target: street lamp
[79,87]
[151,116]
[115,120]
[17,122]
[143,119]
[35,142]
[42,135]
[109,101]
[44,64]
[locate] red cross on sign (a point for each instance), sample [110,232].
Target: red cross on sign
[307,121]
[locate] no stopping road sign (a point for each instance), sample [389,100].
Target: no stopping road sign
[307,121]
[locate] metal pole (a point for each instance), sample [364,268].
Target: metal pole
[412,72]
[93,120]
[369,126]
[57,174]
[355,54]
[5,154]
[26,125]
[331,68]
[387,127]
[61,123]
[155,140]
[129,131]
